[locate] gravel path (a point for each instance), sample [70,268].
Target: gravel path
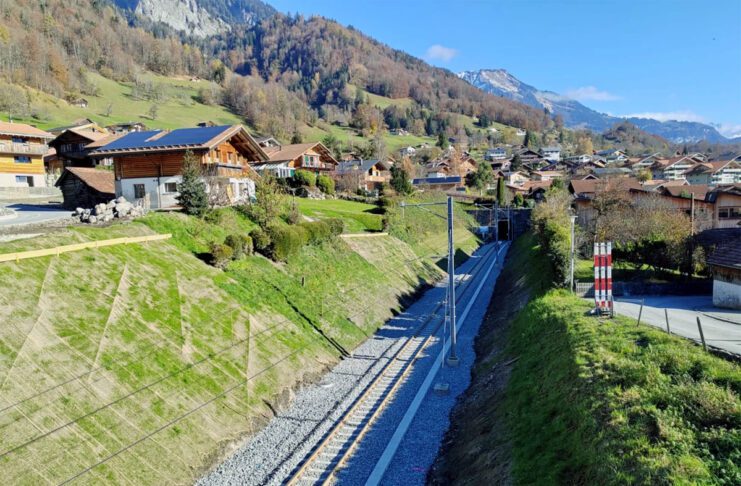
[271,455]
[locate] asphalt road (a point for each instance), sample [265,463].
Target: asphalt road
[33,214]
[722,327]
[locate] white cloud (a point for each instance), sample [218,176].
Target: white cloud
[663,116]
[590,93]
[730,130]
[436,52]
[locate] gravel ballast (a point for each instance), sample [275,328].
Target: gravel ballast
[272,454]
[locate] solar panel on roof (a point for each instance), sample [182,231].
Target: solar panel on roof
[130,140]
[180,137]
[188,136]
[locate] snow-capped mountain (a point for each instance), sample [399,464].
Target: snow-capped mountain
[575,115]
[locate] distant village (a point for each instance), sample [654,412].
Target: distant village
[91,164]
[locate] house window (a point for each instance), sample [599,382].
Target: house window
[139,191]
[66,147]
[22,159]
[25,180]
[19,140]
[729,213]
[171,187]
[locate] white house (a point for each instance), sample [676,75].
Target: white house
[552,154]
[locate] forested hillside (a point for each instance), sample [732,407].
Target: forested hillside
[290,71]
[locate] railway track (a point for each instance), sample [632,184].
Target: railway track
[339,443]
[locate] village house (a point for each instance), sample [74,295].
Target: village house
[546,175]
[527,156]
[72,149]
[579,159]
[498,153]
[86,186]
[552,154]
[22,150]
[585,190]
[451,166]
[673,168]
[148,165]
[530,189]
[612,155]
[407,151]
[284,160]
[364,174]
[714,173]
[725,265]
[516,178]
[439,183]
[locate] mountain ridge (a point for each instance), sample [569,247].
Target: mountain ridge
[576,115]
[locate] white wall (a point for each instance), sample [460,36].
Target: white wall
[726,294]
[8,180]
[158,197]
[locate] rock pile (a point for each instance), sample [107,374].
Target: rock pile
[103,213]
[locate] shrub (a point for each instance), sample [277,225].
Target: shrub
[260,240]
[317,231]
[304,178]
[240,244]
[325,184]
[286,241]
[221,255]
[336,226]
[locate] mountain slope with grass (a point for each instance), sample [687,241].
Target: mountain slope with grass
[141,363]
[561,397]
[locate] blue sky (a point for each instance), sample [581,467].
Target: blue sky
[666,59]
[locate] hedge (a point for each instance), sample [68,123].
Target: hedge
[241,244]
[260,240]
[304,178]
[318,231]
[325,184]
[221,255]
[286,241]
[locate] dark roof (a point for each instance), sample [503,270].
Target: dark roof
[98,179]
[182,138]
[728,255]
[437,180]
[159,139]
[361,165]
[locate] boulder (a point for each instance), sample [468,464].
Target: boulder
[92,219]
[121,200]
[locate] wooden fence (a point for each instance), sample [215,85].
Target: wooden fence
[22,255]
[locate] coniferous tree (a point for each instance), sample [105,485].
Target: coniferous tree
[528,139]
[516,163]
[400,180]
[192,197]
[500,191]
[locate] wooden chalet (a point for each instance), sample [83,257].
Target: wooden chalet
[725,263]
[148,165]
[86,186]
[71,146]
[284,160]
[22,150]
[364,174]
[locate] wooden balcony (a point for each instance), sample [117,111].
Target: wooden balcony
[23,148]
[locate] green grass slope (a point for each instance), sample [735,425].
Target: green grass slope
[561,397]
[141,364]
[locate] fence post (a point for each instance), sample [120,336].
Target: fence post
[640,312]
[666,315]
[702,336]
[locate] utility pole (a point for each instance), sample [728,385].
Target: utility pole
[453,358]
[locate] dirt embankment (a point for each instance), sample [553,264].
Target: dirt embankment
[476,449]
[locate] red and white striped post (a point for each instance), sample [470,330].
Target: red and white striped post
[603,276]
[609,275]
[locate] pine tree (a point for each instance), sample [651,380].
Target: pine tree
[400,180]
[516,163]
[500,191]
[442,142]
[528,139]
[192,197]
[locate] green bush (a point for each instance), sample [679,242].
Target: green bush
[240,244]
[304,178]
[318,231]
[260,240]
[325,184]
[221,255]
[336,226]
[286,241]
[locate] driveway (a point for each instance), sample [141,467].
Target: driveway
[33,214]
[722,327]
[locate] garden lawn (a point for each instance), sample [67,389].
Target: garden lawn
[358,217]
